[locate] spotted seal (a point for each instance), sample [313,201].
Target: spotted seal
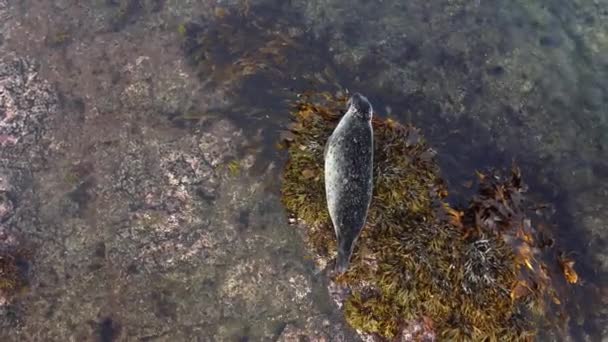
[348,175]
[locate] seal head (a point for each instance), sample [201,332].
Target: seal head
[360,107]
[348,176]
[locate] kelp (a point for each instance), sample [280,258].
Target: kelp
[236,43]
[474,273]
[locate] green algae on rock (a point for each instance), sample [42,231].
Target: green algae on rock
[421,265]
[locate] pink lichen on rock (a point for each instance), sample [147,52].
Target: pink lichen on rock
[173,215]
[25,99]
[7,140]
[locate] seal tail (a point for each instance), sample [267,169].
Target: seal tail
[342,262]
[337,266]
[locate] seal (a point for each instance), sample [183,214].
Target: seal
[349,155]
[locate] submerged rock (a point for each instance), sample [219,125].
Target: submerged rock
[422,269]
[14,261]
[315,329]
[24,100]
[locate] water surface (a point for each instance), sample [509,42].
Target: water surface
[150,194]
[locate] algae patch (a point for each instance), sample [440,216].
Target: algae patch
[14,262]
[235,44]
[420,266]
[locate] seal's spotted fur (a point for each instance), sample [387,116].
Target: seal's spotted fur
[348,175]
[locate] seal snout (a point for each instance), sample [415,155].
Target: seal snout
[360,106]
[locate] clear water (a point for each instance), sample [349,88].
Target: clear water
[150,199]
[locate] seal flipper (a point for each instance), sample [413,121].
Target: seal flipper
[341,262]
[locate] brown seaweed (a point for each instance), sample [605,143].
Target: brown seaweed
[474,273]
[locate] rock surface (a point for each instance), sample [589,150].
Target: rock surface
[152,226]
[145,218]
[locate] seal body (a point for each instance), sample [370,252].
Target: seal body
[348,175]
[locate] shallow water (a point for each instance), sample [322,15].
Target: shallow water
[149,195]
